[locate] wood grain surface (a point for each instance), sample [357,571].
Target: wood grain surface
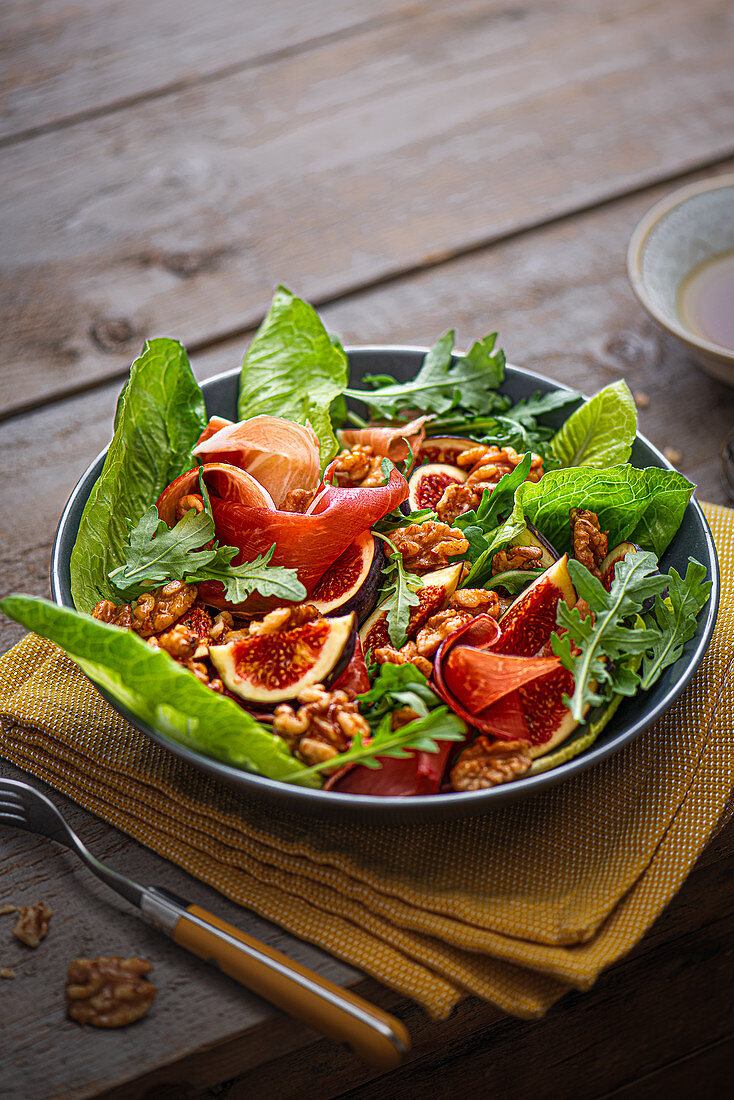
[352,162]
[410,166]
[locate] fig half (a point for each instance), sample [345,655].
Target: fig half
[428,482]
[530,620]
[265,669]
[353,581]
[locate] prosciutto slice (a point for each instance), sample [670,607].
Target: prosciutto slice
[307,543]
[279,453]
[222,480]
[390,442]
[404,777]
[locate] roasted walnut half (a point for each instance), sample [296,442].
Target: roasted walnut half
[589,541]
[325,723]
[32,924]
[427,546]
[109,991]
[358,466]
[488,763]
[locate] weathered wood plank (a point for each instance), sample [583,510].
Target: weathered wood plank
[45,1055]
[63,61]
[341,167]
[560,298]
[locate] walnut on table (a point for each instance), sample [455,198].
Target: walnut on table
[488,763]
[6,909]
[109,991]
[428,546]
[325,724]
[358,465]
[589,541]
[32,924]
[6,972]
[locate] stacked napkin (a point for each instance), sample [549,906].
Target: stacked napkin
[515,907]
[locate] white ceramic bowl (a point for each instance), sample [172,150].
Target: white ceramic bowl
[681,231]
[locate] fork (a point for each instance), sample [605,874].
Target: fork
[376,1036]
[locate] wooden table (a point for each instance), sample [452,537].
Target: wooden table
[407,165]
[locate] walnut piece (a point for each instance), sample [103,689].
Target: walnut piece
[187,502]
[421,651]
[487,465]
[283,618]
[109,991]
[325,723]
[589,542]
[457,499]
[488,763]
[6,972]
[358,466]
[297,500]
[32,924]
[6,909]
[407,654]
[153,612]
[479,601]
[516,557]
[427,546]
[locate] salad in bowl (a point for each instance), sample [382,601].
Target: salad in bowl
[382,588]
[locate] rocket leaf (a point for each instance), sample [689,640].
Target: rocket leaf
[675,617]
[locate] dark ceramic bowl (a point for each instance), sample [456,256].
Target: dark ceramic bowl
[633,717]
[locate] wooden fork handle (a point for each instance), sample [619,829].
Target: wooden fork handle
[377,1037]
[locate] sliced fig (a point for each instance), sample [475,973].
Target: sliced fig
[531,536]
[428,482]
[444,448]
[433,596]
[531,619]
[265,669]
[353,581]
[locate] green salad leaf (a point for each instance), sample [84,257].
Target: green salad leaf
[674,617]
[601,432]
[294,369]
[156,553]
[441,384]
[591,645]
[645,506]
[160,415]
[160,692]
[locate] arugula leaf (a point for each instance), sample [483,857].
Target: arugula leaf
[442,383]
[645,506]
[153,688]
[294,369]
[398,594]
[156,553]
[160,415]
[397,686]
[601,432]
[257,575]
[675,619]
[591,645]
[396,518]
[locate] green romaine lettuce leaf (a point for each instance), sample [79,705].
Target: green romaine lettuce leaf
[643,506]
[601,432]
[294,369]
[160,415]
[158,691]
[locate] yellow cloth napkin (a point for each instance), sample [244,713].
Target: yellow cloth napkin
[515,907]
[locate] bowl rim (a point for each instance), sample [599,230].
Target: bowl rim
[328,804]
[636,249]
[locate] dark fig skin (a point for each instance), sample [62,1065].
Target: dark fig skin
[360,594]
